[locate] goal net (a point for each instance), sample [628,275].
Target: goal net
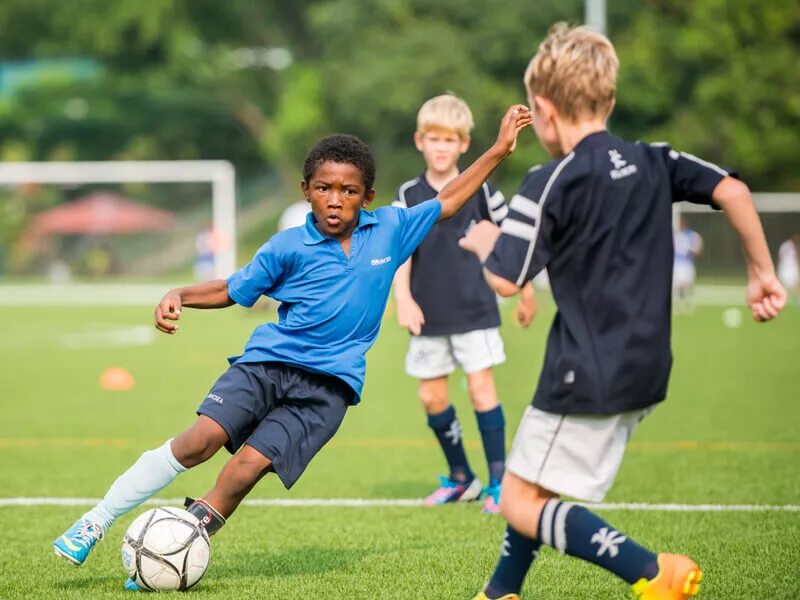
[118,221]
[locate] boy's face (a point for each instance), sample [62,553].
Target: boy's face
[543,117]
[337,194]
[441,148]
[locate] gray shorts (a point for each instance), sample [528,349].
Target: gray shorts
[572,455]
[286,413]
[431,357]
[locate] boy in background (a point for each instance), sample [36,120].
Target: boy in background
[688,245]
[450,311]
[599,218]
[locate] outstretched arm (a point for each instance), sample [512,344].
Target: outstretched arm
[456,193]
[213,294]
[765,295]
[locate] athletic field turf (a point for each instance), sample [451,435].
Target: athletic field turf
[727,435]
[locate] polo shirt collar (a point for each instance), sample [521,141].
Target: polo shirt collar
[311,234]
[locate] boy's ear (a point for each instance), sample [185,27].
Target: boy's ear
[418,140]
[464,144]
[368,197]
[304,189]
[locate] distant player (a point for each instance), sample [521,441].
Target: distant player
[450,311]
[281,401]
[688,245]
[789,265]
[294,215]
[599,218]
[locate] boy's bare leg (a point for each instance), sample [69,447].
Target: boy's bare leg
[236,479]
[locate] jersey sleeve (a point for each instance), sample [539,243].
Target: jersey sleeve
[693,179]
[525,245]
[414,225]
[257,278]
[493,204]
[401,199]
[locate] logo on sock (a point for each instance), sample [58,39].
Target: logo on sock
[506,549]
[609,540]
[454,433]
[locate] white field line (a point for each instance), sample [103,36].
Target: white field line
[414,502]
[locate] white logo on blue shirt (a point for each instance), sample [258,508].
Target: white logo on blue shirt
[376,262]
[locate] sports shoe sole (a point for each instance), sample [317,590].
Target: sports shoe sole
[62,554]
[473,491]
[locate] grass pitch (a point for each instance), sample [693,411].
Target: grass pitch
[727,434]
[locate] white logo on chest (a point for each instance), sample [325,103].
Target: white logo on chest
[376,262]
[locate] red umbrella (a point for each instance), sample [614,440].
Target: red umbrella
[101,213]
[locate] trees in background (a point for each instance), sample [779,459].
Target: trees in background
[258,82]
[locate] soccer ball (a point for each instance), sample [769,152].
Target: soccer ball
[165,549]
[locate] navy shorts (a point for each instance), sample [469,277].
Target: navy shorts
[286,413]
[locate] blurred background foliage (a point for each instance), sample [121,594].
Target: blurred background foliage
[257,82]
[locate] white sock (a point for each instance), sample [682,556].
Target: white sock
[154,471]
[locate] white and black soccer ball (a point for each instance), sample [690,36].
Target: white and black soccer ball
[166,549]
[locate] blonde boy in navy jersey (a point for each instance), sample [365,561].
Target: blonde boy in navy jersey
[599,218]
[450,311]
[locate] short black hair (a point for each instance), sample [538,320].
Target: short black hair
[341,148]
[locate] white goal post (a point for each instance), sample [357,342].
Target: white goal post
[218,173]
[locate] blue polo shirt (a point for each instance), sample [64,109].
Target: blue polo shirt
[331,304]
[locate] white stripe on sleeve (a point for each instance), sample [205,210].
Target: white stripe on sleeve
[542,200]
[499,214]
[525,206]
[519,229]
[705,163]
[496,200]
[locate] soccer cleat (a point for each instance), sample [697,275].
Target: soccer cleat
[483,596]
[131,586]
[491,503]
[678,578]
[77,541]
[453,491]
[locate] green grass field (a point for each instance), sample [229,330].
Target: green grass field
[728,434]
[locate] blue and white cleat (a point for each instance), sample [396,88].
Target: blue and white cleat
[77,541]
[131,586]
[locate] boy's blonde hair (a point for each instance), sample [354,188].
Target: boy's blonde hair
[447,111]
[576,69]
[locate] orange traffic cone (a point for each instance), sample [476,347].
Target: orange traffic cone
[116,379]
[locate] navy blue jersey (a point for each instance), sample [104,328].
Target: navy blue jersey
[600,221]
[446,281]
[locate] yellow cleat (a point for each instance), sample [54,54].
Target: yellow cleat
[483,596]
[678,578]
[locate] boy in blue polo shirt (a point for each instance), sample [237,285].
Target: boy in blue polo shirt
[285,397]
[599,218]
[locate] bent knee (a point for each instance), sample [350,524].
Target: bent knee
[433,396]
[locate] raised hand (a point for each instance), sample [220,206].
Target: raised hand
[517,117]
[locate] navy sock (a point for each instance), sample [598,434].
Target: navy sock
[492,426]
[516,556]
[448,431]
[577,531]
